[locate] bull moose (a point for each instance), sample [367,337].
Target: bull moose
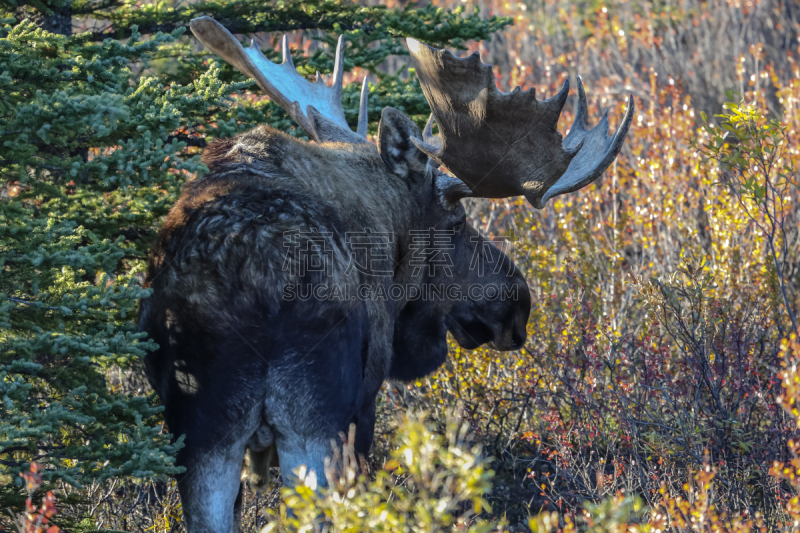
[254,361]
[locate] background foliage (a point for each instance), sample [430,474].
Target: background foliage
[658,387]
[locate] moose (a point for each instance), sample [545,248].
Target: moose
[253,368]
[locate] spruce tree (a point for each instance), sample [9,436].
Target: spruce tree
[98,131]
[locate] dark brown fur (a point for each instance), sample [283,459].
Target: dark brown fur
[239,366]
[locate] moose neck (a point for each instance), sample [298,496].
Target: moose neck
[350,177]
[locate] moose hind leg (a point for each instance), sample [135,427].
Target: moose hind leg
[310,452]
[256,467]
[237,509]
[209,489]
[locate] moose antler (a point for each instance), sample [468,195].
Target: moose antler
[428,136]
[315,107]
[506,144]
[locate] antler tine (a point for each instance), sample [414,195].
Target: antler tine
[363,109]
[338,68]
[581,110]
[287,53]
[316,108]
[554,104]
[430,143]
[427,133]
[506,144]
[585,167]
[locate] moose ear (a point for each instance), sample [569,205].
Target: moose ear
[394,144]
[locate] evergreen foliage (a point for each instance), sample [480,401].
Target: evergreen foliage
[97,135]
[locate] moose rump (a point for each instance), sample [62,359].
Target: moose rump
[239,365]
